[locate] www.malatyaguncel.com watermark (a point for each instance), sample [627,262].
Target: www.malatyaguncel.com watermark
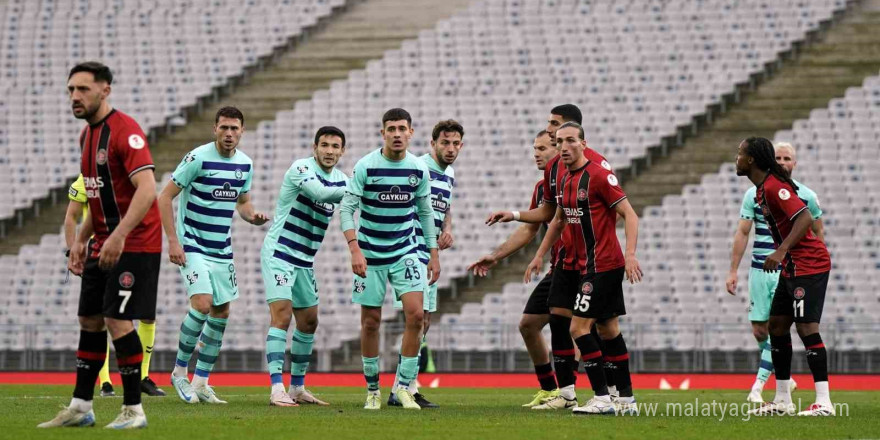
[718,410]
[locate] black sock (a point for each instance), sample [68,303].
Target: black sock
[129,355]
[545,376]
[592,357]
[423,358]
[563,350]
[607,366]
[780,351]
[817,357]
[90,357]
[617,356]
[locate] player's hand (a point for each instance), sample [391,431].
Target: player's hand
[359,263]
[771,264]
[534,269]
[444,241]
[176,254]
[482,266]
[110,252]
[77,258]
[433,270]
[259,219]
[633,270]
[731,283]
[499,217]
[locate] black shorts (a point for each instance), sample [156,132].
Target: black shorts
[802,298]
[537,303]
[127,291]
[598,296]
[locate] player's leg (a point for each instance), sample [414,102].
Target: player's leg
[781,319]
[536,315]
[592,357]
[408,369]
[761,332]
[761,289]
[564,361]
[607,366]
[210,342]
[369,292]
[616,355]
[147,333]
[104,377]
[197,279]
[301,352]
[280,311]
[809,300]
[430,305]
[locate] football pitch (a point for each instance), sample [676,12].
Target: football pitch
[465,413]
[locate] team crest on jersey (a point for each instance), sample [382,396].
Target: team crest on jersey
[302,168]
[784,194]
[359,286]
[799,293]
[225,193]
[231,268]
[439,204]
[136,141]
[126,280]
[238,174]
[395,196]
[606,165]
[413,180]
[192,278]
[582,194]
[189,157]
[612,180]
[281,280]
[101,156]
[587,288]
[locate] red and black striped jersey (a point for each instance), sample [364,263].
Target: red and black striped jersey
[588,196]
[113,150]
[780,205]
[538,200]
[555,169]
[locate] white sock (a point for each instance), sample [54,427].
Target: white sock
[395,385]
[823,396]
[199,381]
[297,388]
[567,392]
[783,391]
[612,389]
[630,399]
[84,405]
[136,408]
[758,385]
[605,398]
[179,371]
[277,388]
[414,387]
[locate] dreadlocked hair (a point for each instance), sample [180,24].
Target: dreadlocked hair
[761,149]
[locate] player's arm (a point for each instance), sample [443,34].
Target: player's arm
[818,229]
[801,220]
[144,195]
[247,211]
[520,237]
[76,261]
[426,218]
[316,190]
[71,217]
[444,240]
[541,214]
[166,213]
[631,230]
[350,203]
[740,241]
[554,231]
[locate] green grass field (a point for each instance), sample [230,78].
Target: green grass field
[465,414]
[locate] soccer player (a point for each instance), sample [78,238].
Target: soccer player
[536,313]
[446,143]
[77,209]
[309,192]
[763,284]
[119,265]
[392,190]
[800,295]
[215,179]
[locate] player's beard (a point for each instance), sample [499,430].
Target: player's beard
[88,112]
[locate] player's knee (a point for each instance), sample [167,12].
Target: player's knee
[370,325]
[528,327]
[760,333]
[201,305]
[806,329]
[117,327]
[280,321]
[92,323]
[577,329]
[415,318]
[777,327]
[309,325]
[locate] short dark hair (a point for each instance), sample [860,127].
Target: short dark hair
[447,126]
[542,133]
[329,130]
[397,114]
[229,112]
[101,72]
[575,125]
[569,112]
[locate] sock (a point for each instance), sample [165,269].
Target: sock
[783,391]
[766,365]
[209,347]
[104,374]
[396,375]
[190,330]
[136,408]
[817,359]
[607,366]
[423,355]
[276,344]
[129,356]
[300,353]
[780,350]
[371,372]
[592,357]
[823,395]
[147,334]
[407,371]
[563,350]
[80,405]
[568,392]
[90,355]
[617,355]
[546,377]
